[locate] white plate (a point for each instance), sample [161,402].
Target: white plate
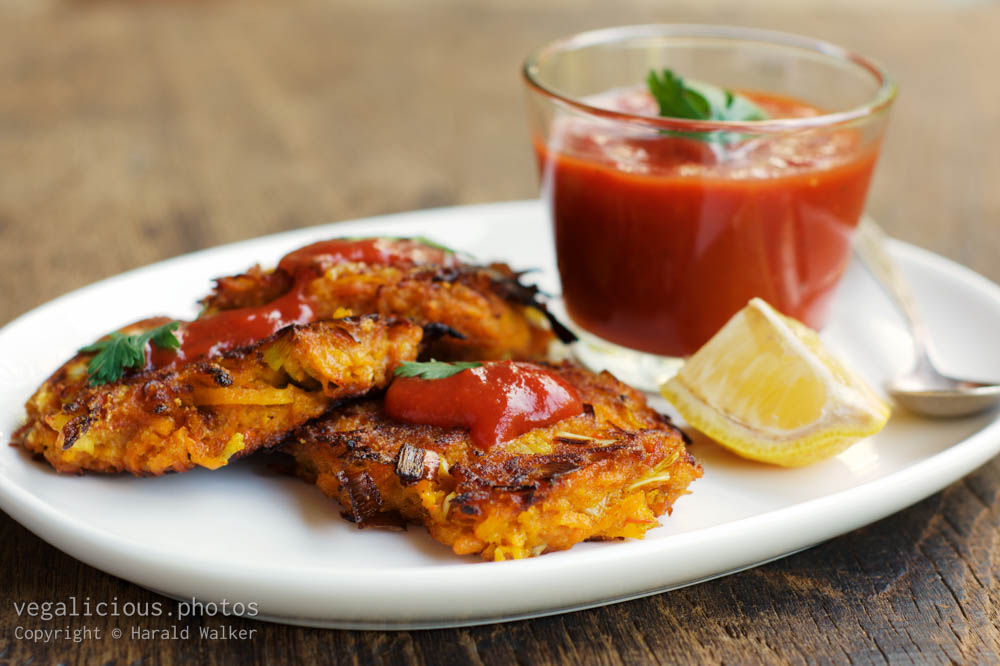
[242,534]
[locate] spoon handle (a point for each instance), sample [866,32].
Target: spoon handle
[870,245]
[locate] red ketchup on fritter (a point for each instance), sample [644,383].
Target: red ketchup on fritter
[231,329]
[496,401]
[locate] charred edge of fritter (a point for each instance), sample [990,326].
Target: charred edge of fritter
[663,419]
[669,422]
[507,284]
[18,436]
[528,491]
[436,330]
[565,335]
[527,480]
[391,520]
[320,429]
[279,439]
[529,477]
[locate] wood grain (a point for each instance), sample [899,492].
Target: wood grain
[131,132]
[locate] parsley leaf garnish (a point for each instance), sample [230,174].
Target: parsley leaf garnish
[676,100]
[694,100]
[433,369]
[119,351]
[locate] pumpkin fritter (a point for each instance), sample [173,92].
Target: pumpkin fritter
[605,474]
[475,312]
[210,411]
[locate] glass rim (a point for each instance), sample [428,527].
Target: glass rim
[883,98]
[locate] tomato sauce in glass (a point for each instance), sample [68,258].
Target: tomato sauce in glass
[660,239]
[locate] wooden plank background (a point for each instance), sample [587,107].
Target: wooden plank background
[135,131]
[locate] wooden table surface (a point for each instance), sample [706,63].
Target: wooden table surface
[132,132]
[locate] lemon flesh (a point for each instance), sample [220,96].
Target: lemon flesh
[766,389]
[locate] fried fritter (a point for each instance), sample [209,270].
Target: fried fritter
[478,312]
[605,474]
[210,411]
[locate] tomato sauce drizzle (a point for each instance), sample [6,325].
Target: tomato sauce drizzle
[497,401]
[231,329]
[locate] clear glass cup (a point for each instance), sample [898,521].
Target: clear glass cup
[665,227]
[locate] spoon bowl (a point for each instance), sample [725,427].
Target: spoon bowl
[954,397]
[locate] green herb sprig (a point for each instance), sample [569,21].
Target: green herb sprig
[433,369]
[694,100]
[119,351]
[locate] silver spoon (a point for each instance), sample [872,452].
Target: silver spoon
[924,389]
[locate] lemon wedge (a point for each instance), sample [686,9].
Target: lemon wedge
[766,389]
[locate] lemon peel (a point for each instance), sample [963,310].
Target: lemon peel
[765,388]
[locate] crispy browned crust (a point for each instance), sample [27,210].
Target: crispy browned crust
[496,316]
[208,412]
[605,474]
